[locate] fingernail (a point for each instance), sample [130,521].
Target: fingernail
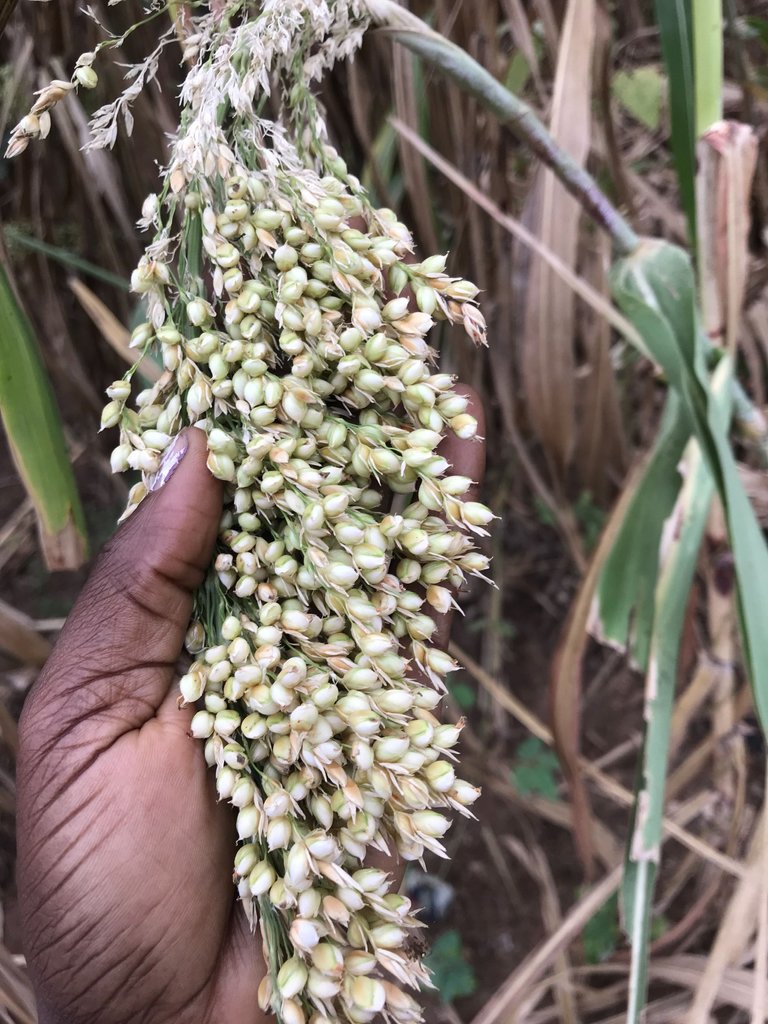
[169,463]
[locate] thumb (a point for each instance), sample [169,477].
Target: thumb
[115,658]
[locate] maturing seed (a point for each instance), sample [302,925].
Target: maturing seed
[286,336]
[261,877]
[86,77]
[291,978]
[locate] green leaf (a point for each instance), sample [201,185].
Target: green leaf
[36,437]
[675,26]
[625,614]
[641,92]
[452,975]
[601,933]
[655,288]
[682,541]
[535,769]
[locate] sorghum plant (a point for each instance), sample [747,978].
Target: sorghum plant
[291,326]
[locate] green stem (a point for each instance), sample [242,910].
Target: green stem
[708,62]
[464,70]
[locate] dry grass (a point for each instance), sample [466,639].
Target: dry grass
[569,413]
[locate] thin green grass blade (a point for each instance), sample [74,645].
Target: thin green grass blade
[36,438]
[674,18]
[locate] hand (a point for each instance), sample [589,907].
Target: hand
[124,855]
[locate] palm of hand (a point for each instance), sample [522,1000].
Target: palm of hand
[138,844]
[124,855]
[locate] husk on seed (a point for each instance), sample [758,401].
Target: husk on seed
[292,329]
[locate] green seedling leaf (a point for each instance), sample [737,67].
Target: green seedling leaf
[535,769]
[659,926]
[543,512]
[36,437]
[642,93]
[452,975]
[601,933]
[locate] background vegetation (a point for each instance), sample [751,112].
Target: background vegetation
[527,921]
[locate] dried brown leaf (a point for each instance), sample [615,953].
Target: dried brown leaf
[548,361]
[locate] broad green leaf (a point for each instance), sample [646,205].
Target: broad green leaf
[655,288]
[642,93]
[675,26]
[625,614]
[36,438]
[683,535]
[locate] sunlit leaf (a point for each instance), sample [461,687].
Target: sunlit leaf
[35,436]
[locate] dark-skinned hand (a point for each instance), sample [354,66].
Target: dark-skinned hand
[124,855]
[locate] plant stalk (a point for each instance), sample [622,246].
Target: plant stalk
[512,111]
[707,63]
